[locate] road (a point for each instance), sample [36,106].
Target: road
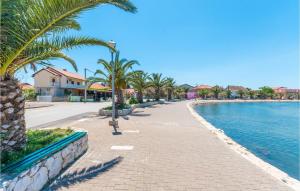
[39,117]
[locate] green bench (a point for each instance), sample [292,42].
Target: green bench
[31,159]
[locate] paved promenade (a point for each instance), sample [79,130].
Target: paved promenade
[166,149]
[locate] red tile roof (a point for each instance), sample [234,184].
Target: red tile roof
[236,88]
[100,87]
[67,73]
[59,72]
[201,87]
[26,86]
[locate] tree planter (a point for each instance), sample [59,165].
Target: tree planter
[147,104]
[123,112]
[36,170]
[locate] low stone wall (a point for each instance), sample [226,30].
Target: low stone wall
[123,112]
[147,104]
[40,174]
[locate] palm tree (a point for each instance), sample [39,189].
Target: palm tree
[139,82]
[228,93]
[251,93]
[266,92]
[123,75]
[157,82]
[179,92]
[170,86]
[216,90]
[241,93]
[30,34]
[203,93]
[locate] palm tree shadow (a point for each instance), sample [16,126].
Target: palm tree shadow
[82,175]
[139,114]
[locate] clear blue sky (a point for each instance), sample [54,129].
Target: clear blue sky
[238,42]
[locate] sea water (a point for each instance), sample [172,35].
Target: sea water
[270,130]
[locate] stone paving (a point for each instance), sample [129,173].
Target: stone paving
[171,151]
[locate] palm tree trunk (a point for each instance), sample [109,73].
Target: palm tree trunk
[157,96]
[120,98]
[12,108]
[169,95]
[140,96]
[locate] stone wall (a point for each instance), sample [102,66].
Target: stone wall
[46,170]
[147,104]
[123,112]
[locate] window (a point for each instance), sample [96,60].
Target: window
[72,82]
[67,81]
[53,81]
[78,83]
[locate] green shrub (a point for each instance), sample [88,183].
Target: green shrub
[133,100]
[36,139]
[122,106]
[29,94]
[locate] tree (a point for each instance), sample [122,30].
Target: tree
[157,82]
[179,92]
[139,82]
[251,93]
[170,86]
[241,93]
[228,93]
[266,92]
[30,34]
[203,93]
[216,90]
[123,75]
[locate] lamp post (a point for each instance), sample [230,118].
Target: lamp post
[86,84]
[113,123]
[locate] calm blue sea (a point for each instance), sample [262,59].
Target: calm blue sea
[269,130]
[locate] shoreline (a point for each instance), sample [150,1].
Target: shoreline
[245,153]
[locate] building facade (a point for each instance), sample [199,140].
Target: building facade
[57,84]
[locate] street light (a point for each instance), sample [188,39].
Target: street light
[113,123]
[86,83]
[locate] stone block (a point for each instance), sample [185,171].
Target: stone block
[39,179]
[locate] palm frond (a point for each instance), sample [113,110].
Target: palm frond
[26,21]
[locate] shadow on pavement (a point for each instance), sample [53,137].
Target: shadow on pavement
[82,175]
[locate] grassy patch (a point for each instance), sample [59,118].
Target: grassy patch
[36,139]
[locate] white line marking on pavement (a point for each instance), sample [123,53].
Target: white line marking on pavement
[122,148]
[131,131]
[81,120]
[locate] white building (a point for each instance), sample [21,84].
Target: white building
[52,84]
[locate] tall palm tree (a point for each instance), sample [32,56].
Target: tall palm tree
[123,75]
[157,82]
[179,92]
[203,93]
[170,86]
[31,32]
[216,90]
[241,93]
[228,93]
[139,82]
[251,93]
